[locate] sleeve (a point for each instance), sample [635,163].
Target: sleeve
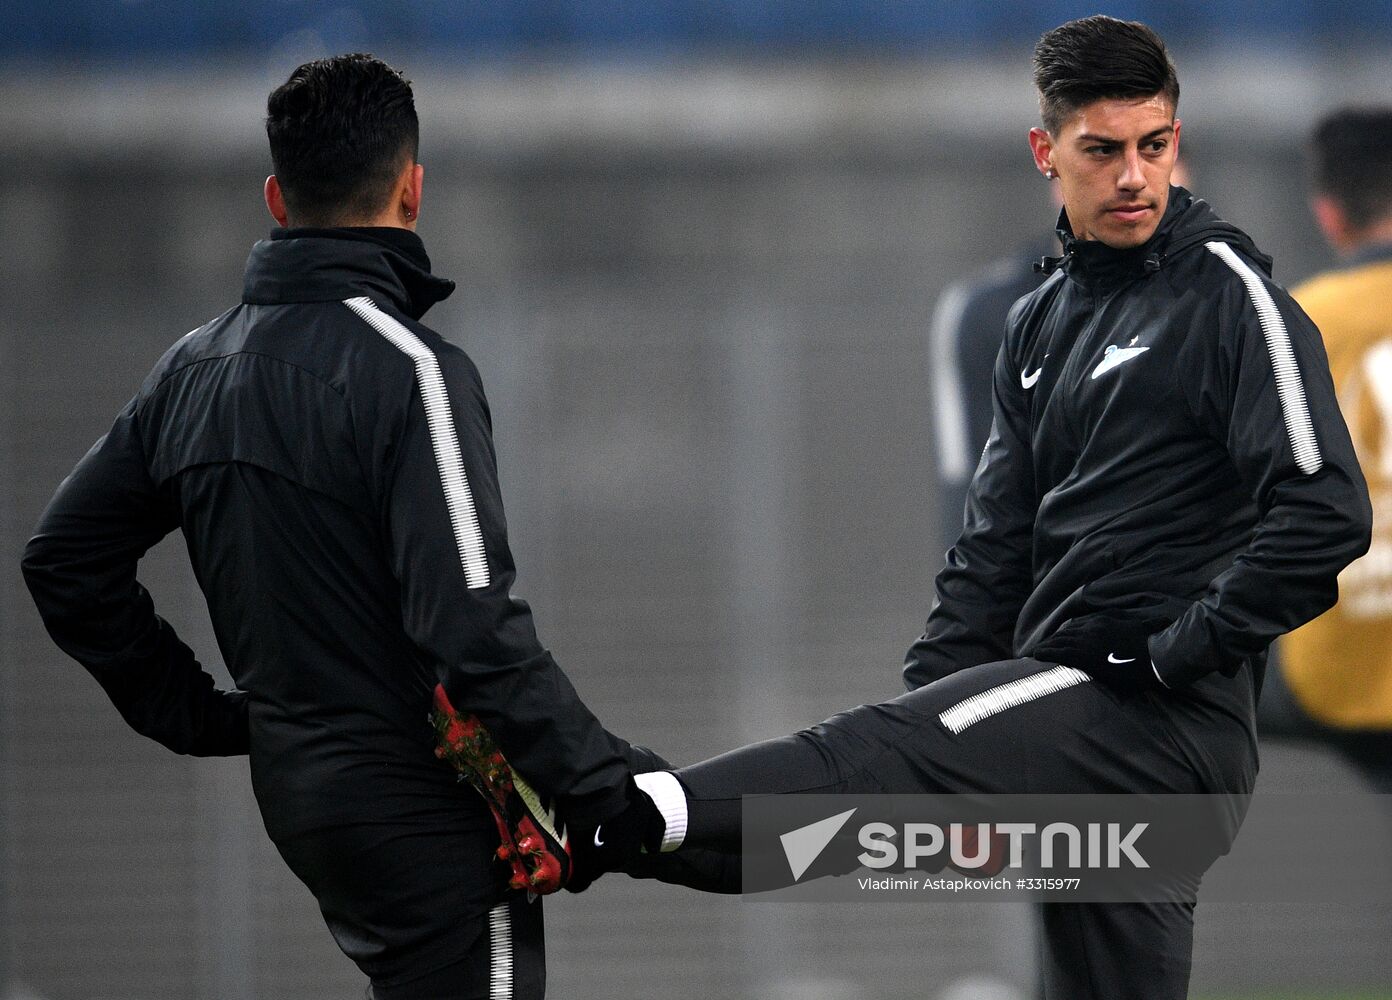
[964,342]
[952,444]
[983,587]
[448,546]
[80,567]
[1267,394]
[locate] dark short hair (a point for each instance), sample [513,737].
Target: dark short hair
[1351,154]
[340,129]
[1098,58]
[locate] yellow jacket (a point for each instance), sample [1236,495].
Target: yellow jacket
[1339,666]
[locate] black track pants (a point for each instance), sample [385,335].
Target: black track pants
[1018,726]
[506,960]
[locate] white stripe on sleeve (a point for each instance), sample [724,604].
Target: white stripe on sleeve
[1289,386]
[439,418]
[946,379]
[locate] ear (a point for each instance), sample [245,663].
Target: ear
[1042,145]
[275,201]
[412,181]
[1333,222]
[1180,175]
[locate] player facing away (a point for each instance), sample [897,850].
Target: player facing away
[1333,681]
[1167,487]
[329,460]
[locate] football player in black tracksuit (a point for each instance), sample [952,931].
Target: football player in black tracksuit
[329,460]
[1168,486]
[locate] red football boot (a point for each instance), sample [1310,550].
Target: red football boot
[533,842]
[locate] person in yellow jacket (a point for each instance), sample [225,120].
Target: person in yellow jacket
[1334,680]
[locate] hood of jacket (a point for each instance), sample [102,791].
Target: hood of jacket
[386,264]
[1188,223]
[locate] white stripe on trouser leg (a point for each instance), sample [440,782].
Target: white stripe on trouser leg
[1011,694]
[500,953]
[1290,389]
[670,798]
[459,499]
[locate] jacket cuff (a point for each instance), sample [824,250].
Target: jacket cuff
[669,797]
[1180,658]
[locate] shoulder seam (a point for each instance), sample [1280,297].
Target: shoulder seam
[252,354]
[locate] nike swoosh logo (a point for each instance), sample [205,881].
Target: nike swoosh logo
[1111,658]
[597,841]
[1117,356]
[1027,381]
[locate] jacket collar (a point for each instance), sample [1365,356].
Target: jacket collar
[320,265]
[1092,262]
[1188,222]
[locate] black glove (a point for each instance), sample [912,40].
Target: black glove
[610,845]
[1111,650]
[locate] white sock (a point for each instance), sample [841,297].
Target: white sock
[668,795]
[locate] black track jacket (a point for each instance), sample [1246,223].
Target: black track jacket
[1166,443]
[330,462]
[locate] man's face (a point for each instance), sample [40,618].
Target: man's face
[1113,159]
